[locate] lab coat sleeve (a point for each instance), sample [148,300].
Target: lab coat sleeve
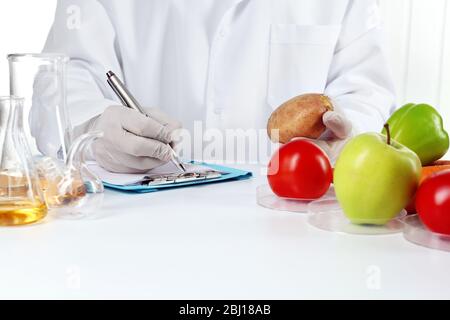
[360,81]
[83,30]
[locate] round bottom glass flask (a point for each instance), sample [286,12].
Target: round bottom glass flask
[21,199]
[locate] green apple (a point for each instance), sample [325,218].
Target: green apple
[375,178]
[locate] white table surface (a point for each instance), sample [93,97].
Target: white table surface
[210,242]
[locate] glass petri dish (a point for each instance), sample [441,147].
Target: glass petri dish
[416,232]
[327,214]
[267,199]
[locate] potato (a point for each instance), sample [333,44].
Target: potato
[299,117]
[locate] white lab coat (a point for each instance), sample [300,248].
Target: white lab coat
[249,59]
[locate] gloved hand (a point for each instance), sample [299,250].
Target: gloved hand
[339,132]
[339,126]
[132,142]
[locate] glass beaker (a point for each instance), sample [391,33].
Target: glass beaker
[21,199]
[40,80]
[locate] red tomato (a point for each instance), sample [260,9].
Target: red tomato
[433,202]
[300,170]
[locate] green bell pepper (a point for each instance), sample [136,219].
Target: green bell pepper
[420,128]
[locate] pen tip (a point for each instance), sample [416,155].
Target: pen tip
[110,74]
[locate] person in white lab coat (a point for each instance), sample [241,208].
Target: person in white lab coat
[227,63]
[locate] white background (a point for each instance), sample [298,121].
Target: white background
[418,37]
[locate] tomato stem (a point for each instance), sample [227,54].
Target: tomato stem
[388,131]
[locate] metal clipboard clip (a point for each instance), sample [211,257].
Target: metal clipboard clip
[160,180]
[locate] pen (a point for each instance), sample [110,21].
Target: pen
[129,101]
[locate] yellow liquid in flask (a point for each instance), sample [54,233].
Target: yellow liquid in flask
[18,213]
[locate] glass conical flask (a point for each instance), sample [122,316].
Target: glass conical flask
[21,199]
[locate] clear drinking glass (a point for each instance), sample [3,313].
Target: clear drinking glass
[21,198]
[40,80]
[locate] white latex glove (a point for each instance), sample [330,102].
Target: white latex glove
[332,148]
[132,142]
[339,132]
[339,126]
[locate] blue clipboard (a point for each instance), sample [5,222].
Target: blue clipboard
[228,174]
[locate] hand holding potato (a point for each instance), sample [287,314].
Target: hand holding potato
[307,116]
